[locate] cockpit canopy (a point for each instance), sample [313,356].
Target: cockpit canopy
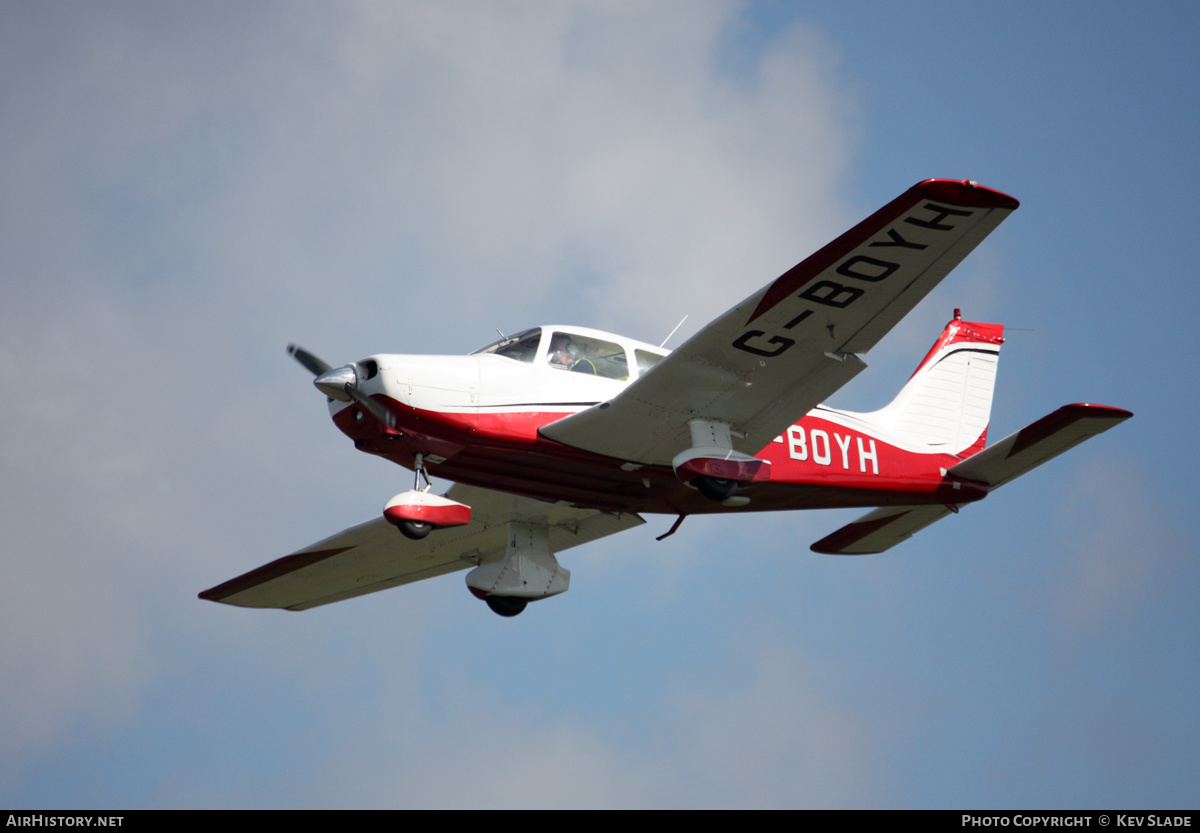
[522,347]
[578,351]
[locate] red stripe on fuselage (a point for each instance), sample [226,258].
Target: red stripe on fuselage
[822,452]
[503,451]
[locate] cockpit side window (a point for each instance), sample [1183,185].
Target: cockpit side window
[646,360]
[584,354]
[522,347]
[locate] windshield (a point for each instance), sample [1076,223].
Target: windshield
[521,347]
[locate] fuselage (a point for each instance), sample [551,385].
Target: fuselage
[476,420]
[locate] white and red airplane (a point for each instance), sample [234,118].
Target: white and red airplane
[558,436]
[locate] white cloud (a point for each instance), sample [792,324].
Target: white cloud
[767,737]
[187,189]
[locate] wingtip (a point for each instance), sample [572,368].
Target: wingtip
[1103,411]
[965,192]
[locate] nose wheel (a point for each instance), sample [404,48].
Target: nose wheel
[417,512]
[414,530]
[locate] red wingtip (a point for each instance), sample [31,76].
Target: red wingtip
[965,192]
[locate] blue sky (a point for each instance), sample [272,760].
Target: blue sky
[186,190]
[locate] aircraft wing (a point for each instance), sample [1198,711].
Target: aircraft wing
[375,556]
[789,346]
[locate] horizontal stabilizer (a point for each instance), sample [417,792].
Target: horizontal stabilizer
[880,530]
[1033,445]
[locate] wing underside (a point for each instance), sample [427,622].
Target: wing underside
[373,556]
[786,348]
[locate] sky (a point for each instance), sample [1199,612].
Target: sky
[186,188]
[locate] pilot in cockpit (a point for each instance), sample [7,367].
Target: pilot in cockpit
[565,355]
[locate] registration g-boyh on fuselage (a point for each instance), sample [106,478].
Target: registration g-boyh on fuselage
[559,435]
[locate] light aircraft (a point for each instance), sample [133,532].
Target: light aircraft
[557,436]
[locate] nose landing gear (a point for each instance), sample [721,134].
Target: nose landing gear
[416,513]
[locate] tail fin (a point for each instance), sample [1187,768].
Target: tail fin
[947,403]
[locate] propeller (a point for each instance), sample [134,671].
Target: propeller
[314,365]
[341,383]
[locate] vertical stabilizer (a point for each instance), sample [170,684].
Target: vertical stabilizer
[947,403]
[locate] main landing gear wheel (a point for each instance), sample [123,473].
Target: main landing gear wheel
[506,605]
[414,530]
[714,488]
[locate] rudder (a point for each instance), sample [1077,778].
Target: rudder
[947,402]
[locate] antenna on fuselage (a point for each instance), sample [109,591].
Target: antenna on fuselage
[668,338]
[502,335]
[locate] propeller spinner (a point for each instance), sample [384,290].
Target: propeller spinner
[341,383]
